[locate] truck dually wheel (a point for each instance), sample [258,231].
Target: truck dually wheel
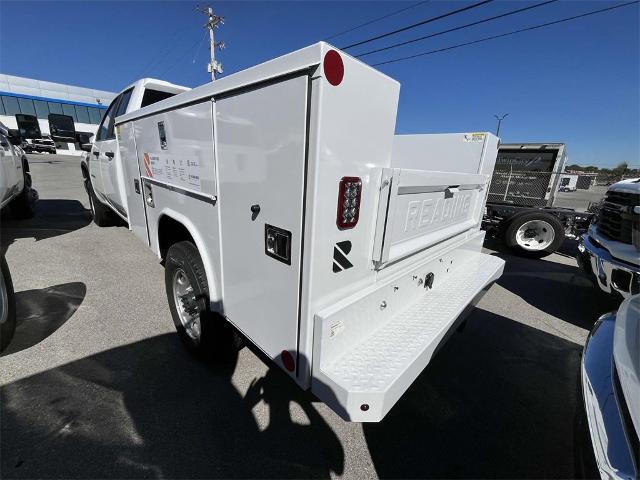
[204,332]
[534,234]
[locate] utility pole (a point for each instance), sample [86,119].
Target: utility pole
[500,122]
[211,25]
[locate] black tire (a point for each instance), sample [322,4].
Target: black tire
[8,307]
[23,206]
[216,337]
[102,217]
[517,221]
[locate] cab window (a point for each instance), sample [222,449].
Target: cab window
[105,130]
[152,96]
[124,103]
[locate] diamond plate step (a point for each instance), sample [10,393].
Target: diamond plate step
[370,376]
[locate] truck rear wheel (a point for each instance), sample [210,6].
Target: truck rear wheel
[205,333]
[7,306]
[23,206]
[534,234]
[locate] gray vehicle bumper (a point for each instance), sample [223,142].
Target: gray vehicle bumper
[611,274]
[612,449]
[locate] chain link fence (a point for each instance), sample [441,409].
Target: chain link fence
[546,189]
[524,188]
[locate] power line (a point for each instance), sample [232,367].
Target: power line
[391,14]
[158,58]
[199,46]
[513,12]
[493,37]
[423,22]
[181,56]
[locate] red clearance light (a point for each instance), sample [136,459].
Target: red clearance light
[333,67]
[349,195]
[288,361]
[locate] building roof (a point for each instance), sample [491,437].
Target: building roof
[55,91]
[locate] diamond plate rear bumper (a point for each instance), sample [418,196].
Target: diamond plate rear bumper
[368,351]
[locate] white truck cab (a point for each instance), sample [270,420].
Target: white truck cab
[279,204]
[15,178]
[609,253]
[103,165]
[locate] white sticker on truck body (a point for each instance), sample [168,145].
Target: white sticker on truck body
[182,171]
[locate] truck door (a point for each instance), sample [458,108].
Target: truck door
[104,137]
[137,216]
[109,156]
[261,137]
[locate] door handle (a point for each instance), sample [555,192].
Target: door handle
[96,153]
[136,185]
[149,195]
[109,155]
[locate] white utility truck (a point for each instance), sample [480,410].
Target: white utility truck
[277,203]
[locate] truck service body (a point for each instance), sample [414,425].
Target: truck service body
[344,261]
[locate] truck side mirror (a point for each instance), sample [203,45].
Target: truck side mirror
[86,147]
[15,140]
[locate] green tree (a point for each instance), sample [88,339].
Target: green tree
[620,169]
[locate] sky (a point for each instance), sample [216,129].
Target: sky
[577,82]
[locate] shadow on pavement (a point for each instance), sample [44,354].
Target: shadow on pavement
[41,312]
[498,401]
[53,217]
[149,409]
[557,289]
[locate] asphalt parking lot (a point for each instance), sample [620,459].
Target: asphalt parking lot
[96,383]
[580,199]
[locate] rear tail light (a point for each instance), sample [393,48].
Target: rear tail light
[349,195]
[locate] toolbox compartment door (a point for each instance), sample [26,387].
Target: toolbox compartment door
[419,209]
[261,145]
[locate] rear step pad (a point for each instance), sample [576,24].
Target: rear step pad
[368,379]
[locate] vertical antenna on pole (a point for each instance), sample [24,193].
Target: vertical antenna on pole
[212,23]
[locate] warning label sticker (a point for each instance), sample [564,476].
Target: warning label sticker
[474,137]
[336,329]
[181,171]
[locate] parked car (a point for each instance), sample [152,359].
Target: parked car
[15,178]
[611,388]
[39,145]
[609,253]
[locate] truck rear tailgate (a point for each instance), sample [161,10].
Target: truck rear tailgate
[418,209]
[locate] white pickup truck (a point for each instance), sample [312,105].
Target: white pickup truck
[17,195]
[278,204]
[102,168]
[15,179]
[609,253]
